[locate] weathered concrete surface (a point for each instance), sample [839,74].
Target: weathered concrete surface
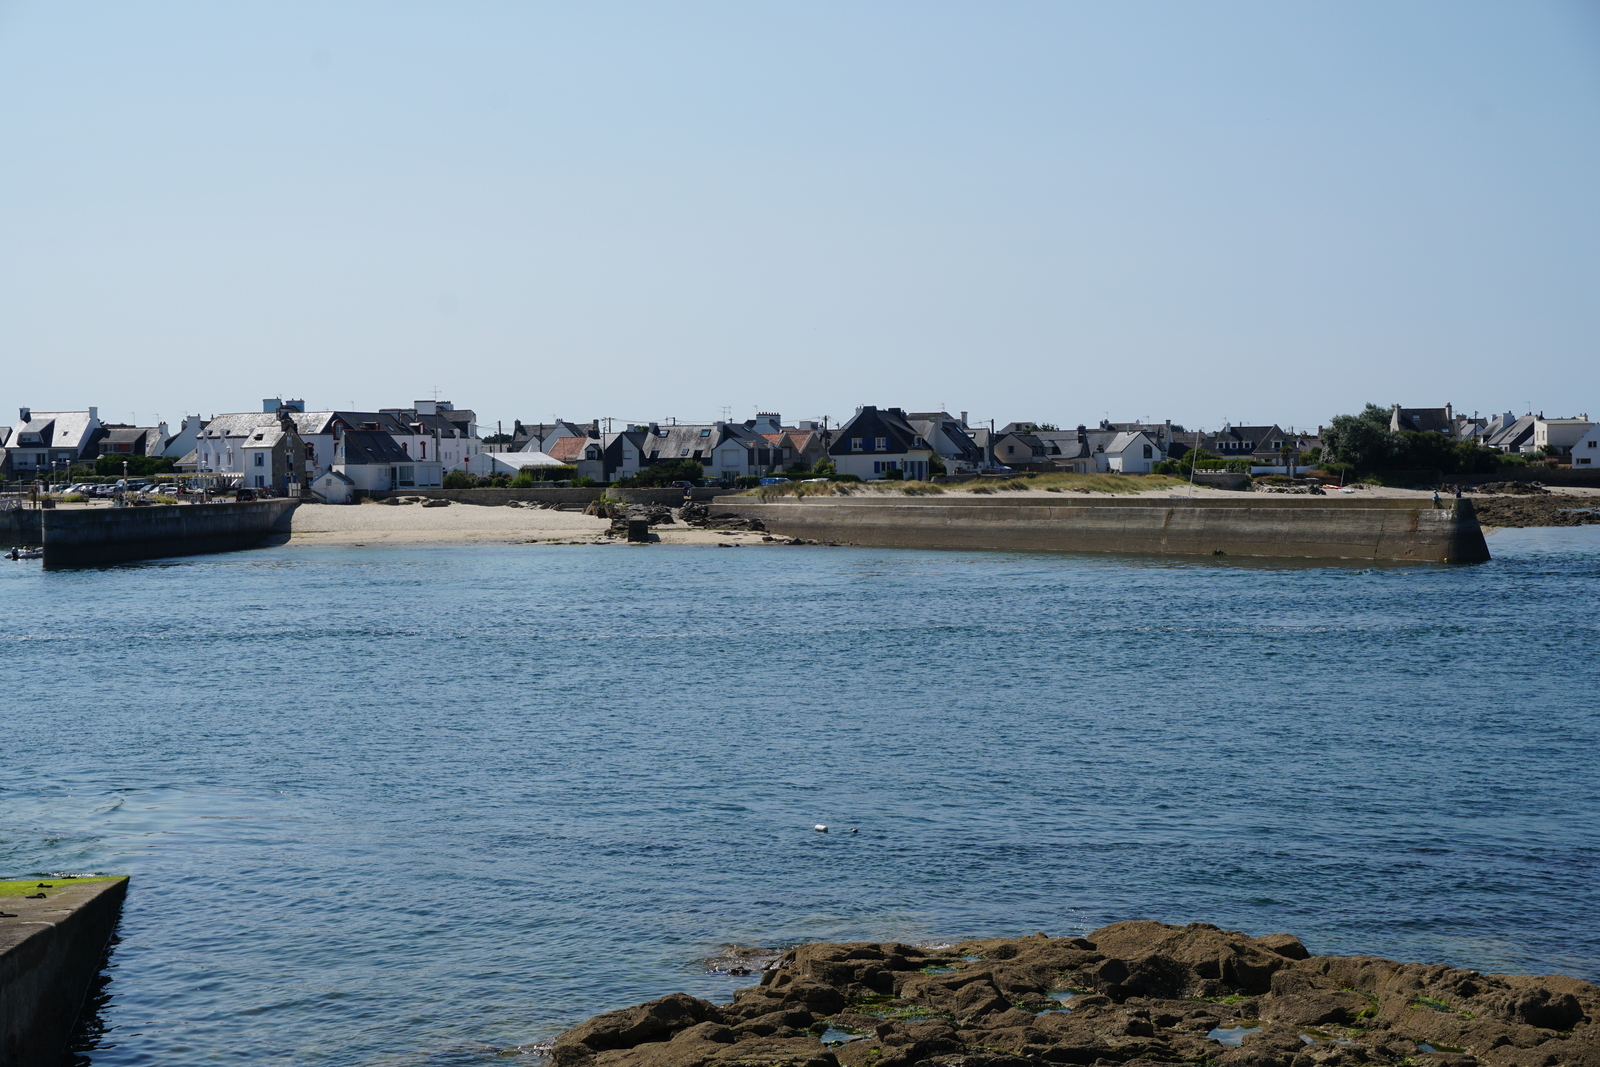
[50,951]
[1291,527]
[19,526]
[98,536]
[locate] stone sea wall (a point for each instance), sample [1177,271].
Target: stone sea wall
[1129,993]
[92,537]
[53,938]
[1296,527]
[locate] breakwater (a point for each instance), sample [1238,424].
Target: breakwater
[19,526]
[1140,992]
[1293,527]
[92,537]
[53,937]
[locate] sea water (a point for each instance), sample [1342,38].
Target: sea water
[431,805]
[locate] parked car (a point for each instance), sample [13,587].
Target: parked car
[244,494]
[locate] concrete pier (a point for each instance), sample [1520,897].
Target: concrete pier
[93,537]
[50,951]
[1270,526]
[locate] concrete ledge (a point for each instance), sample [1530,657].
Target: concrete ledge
[50,950]
[99,536]
[1287,527]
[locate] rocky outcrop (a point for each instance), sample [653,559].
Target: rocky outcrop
[1129,993]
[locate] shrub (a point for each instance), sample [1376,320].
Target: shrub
[583,483]
[458,480]
[747,481]
[894,474]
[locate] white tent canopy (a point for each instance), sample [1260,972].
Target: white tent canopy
[486,463]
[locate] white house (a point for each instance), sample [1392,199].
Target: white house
[1586,449]
[1130,453]
[182,443]
[1557,436]
[876,441]
[373,461]
[46,440]
[331,487]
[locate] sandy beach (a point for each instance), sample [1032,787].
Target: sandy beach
[378,524]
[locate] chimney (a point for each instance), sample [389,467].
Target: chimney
[963,420]
[25,414]
[594,429]
[94,414]
[1449,411]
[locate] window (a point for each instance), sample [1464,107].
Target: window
[1011,449]
[685,452]
[261,459]
[591,453]
[1148,452]
[1592,444]
[1582,461]
[855,444]
[881,444]
[424,446]
[705,433]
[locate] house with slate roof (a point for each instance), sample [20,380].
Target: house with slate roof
[949,439]
[373,461]
[116,439]
[50,440]
[876,441]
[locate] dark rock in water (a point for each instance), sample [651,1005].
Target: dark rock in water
[1147,993]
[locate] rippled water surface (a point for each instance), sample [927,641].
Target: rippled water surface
[427,805]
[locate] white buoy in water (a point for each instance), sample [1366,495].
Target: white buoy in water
[819,828]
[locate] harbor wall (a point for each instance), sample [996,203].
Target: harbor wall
[92,537]
[19,526]
[1289,527]
[50,952]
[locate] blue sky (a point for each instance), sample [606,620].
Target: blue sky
[1058,211]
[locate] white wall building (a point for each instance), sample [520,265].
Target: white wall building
[1586,449]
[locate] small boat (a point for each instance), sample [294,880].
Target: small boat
[25,553]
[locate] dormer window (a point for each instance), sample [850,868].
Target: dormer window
[855,444]
[705,433]
[881,444]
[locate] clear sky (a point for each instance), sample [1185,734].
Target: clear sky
[1056,211]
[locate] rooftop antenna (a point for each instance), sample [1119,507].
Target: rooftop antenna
[727,413]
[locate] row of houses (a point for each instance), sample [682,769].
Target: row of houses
[285,447]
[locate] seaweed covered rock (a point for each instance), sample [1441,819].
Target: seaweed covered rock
[1129,993]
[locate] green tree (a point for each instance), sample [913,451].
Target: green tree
[665,472]
[1363,441]
[110,465]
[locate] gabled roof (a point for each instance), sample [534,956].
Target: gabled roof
[1422,420]
[55,429]
[1515,434]
[568,449]
[871,423]
[370,446]
[332,476]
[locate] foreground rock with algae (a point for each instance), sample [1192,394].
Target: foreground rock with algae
[1130,993]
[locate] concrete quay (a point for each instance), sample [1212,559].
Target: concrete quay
[94,537]
[50,951]
[1283,527]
